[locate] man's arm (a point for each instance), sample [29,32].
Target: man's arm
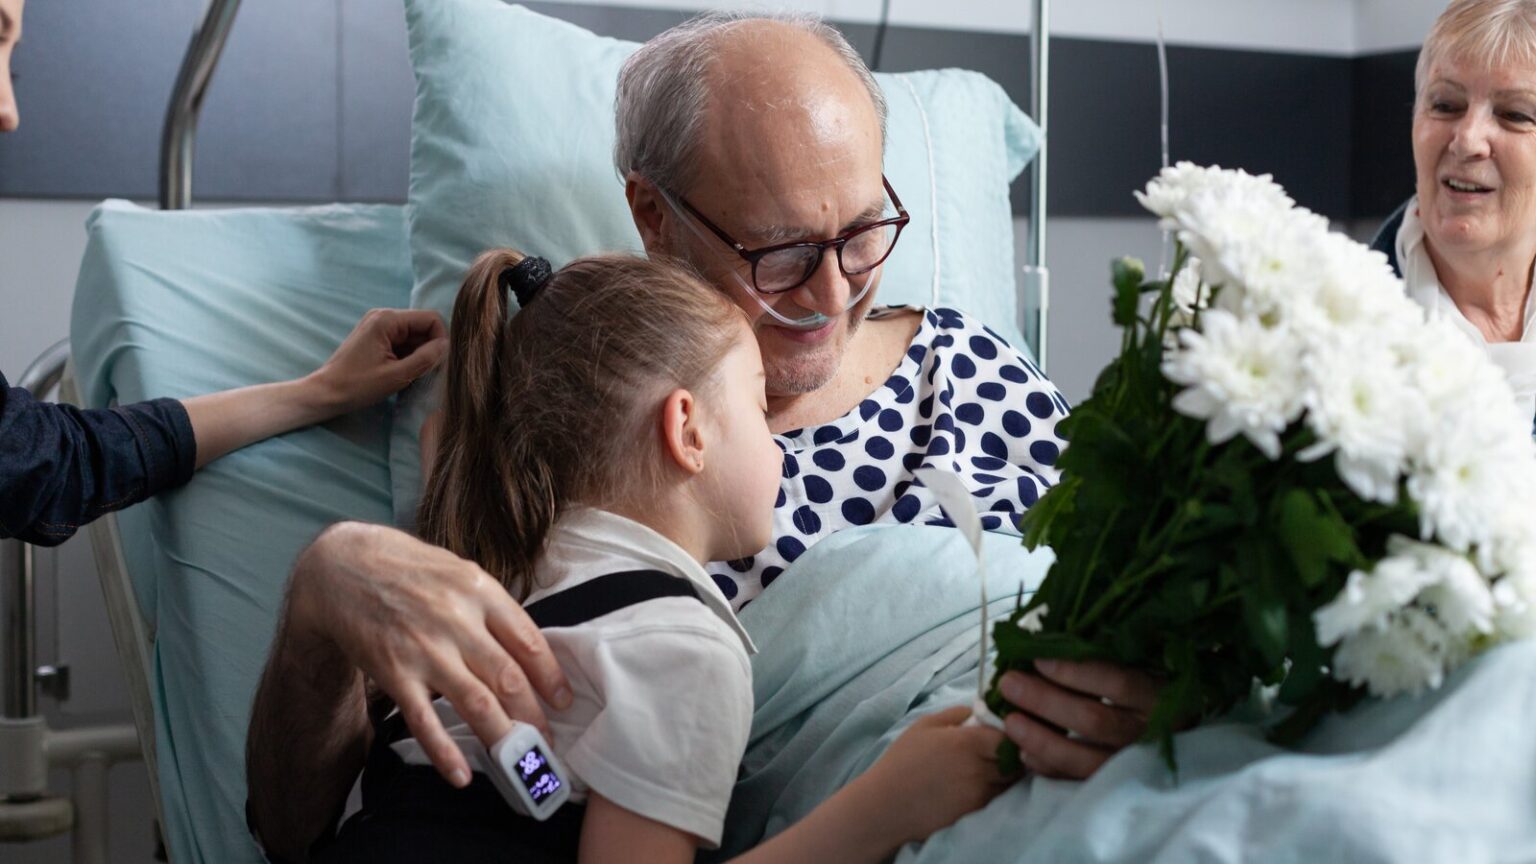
[366,600]
[308,740]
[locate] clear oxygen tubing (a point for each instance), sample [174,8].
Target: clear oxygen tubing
[810,322]
[1162,77]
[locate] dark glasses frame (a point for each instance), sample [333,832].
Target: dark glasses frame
[753,256]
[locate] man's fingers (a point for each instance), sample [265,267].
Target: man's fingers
[1085,715]
[416,704]
[953,716]
[478,706]
[1050,753]
[530,652]
[506,682]
[1125,687]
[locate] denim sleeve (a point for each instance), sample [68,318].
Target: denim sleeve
[62,466]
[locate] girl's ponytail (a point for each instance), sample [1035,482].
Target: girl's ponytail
[492,497]
[555,407]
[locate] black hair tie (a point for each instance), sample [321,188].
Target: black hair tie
[526,278]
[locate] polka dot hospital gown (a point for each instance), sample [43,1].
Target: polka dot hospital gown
[962,399]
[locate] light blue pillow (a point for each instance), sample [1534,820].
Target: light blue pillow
[194,301]
[512,140]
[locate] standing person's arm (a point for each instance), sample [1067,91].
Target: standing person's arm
[62,466]
[416,620]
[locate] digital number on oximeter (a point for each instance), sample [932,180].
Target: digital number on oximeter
[538,778]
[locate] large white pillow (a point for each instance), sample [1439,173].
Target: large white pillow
[512,140]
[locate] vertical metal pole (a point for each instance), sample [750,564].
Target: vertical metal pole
[18,595]
[18,599]
[1037,276]
[180,132]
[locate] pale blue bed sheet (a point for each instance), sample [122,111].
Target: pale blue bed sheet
[178,304]
[849,660]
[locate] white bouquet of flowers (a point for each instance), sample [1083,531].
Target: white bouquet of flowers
[1288,476]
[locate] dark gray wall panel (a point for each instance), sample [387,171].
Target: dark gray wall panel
[376,93]
[270,120]
[1383,150]
[92,84]
[312,102]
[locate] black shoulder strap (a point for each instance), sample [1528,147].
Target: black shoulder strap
[598,597]
[1385,240]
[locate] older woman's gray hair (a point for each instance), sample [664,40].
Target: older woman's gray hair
[1489,33]
[664,91]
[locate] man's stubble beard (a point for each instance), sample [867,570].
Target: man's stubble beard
[810,371]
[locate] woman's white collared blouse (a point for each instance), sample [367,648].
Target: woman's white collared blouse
[1517,359]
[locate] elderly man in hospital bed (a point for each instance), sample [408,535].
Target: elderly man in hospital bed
[751,148]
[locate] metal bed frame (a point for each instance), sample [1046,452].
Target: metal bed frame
[28,748]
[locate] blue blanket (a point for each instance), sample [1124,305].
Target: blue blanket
[874,627]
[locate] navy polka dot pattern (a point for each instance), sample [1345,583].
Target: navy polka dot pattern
[963,400]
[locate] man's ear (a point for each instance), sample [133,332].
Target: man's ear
[649,210]
[682,433]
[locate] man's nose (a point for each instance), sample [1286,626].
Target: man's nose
[827,291]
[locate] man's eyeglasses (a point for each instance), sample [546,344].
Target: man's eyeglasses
[787,266]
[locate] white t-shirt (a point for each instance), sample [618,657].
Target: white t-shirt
[663,688]
[1517,359]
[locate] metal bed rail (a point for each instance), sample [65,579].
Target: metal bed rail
[1036,287]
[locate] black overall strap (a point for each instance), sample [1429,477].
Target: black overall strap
[410,814]
[606,594]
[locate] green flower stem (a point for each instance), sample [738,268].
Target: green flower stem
[1093,560]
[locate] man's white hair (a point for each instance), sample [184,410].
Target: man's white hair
[1489,33]
[664,90]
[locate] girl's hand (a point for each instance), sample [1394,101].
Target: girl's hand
[936,772]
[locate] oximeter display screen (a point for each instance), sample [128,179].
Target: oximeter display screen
[538,778]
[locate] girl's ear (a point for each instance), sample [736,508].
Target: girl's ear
[682,431]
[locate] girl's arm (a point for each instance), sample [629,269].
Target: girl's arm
[936,772]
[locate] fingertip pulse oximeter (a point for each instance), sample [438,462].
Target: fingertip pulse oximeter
[524,769]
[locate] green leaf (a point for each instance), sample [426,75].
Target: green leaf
[1128,273]
[1264,611]
[1314,537]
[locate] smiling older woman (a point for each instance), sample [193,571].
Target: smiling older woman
[1465,245]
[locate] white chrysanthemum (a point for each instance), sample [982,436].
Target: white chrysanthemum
[1461,477]
[1514,601]
[1368,598]
[1359,404]
[1355,288]
[1241,377]
[1405,655]
[1189,296]
[1166,193]
[1265,259]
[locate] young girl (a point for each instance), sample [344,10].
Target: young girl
[610,437]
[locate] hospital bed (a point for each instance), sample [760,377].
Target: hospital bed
[179,302]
